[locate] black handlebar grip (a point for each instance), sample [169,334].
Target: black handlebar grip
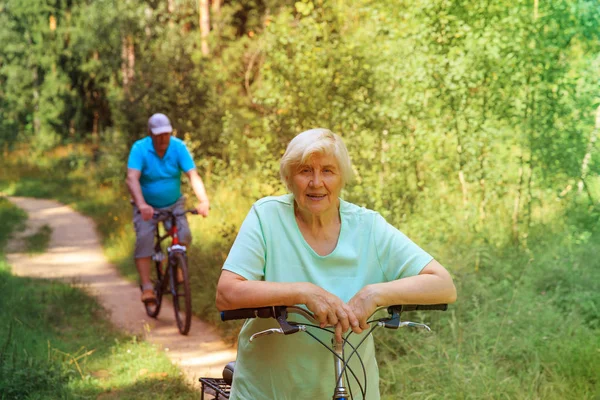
[420,307]
[433,307]
[245,313]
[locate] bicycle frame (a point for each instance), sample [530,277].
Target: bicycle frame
[174,273]
[159,256]
[172,232]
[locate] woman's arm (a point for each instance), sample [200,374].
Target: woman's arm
[433,285]
[234,291]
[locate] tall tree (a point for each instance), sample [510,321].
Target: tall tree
[204,21]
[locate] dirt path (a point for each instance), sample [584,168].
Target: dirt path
[75,255]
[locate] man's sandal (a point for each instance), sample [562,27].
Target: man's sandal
[148,296]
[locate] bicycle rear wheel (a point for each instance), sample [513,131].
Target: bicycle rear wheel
[180,288]
[153,309]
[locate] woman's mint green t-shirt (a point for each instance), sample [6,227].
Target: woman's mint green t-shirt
[270,247]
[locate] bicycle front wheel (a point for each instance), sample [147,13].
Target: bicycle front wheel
[182,295]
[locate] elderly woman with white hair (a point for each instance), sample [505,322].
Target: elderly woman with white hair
[339,260]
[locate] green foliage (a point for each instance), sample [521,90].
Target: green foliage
[524,327]
[431,98]
[38,242]
[470,125]
[12,218]
[56,343]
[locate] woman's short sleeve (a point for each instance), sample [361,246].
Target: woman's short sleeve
[399,257]
[248,253]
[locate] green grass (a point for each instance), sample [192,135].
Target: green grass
[13,220]
[526,324]
[524,327]
[57,343]
[37,243]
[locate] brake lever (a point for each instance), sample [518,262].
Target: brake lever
[393,322]
[415,325]
[300,328]
[266,333]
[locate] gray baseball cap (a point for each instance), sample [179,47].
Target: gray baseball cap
[159,123]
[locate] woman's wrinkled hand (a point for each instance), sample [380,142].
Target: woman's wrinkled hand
[330,310]
[363,305]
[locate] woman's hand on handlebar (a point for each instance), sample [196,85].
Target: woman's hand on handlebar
[329,309]
[363,305]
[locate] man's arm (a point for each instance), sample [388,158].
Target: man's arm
[133,183]
[198,187]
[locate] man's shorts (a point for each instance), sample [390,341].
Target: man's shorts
[144,230]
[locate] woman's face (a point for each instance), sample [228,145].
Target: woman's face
[317,184]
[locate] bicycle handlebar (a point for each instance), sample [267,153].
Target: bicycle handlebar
[392,321]
[275,311]
[419,307]
[245,313]
[157,214]
[280,314]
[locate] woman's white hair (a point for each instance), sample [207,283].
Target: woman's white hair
[308,143]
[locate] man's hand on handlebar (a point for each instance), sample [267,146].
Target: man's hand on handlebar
[147,211]
[202,208]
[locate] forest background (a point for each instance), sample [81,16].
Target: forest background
[472,127]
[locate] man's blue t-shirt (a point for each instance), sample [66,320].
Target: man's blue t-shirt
[161,177]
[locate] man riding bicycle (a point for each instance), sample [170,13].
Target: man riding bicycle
[153,178]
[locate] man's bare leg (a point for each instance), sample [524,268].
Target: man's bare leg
[143,266]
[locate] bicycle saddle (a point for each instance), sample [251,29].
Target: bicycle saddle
[228,372]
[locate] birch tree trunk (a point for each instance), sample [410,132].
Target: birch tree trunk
[171,11]
[585,163]
[216,8]
[127,62]
[95,136]
[37,124]
[461,160]
[216,17]
[461,164]
[204,20]
[482,187]
[517,205]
